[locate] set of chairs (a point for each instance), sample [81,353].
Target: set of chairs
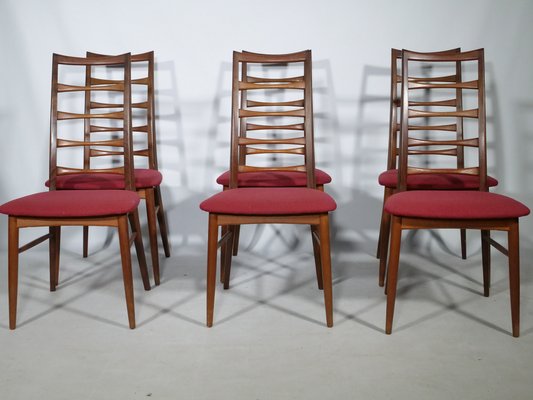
[272,177]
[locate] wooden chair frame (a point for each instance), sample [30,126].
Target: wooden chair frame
[393,149]
[319,222]
[400,223]
[55,223]
[152,195]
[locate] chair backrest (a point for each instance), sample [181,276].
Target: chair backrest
[444,137]
[272,113]
[112,129]
[147,145]
[395,104]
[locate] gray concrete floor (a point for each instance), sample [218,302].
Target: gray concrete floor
[269,340]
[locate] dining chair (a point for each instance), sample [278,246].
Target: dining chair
[432,209]
[437,181]
[277,116]
[264,178]
[57,208]
[147,180]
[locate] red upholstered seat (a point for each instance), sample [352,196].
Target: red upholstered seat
[144,178]
[465,204]
[72,204]
[269,201]
[434,181]
[274,179]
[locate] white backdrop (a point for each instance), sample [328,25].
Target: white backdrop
[193,41]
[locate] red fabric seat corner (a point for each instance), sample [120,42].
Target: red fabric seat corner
[434,181]
[72,204]
[269,201]
[144,178]
[274,179]
[461,204]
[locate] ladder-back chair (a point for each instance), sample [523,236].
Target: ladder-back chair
[389,178]
[281,128]
[468,209]
[57,208]
[147,180]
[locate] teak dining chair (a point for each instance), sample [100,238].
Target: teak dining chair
[57,208]
[147,180]
[431,209]
[389,178]
[283,128]
[264,178]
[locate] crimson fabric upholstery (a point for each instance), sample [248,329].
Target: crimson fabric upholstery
[274,179]
[269,201]
[462,204]
[434,181]
[72,203]
[144,178]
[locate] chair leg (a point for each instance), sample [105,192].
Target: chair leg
[325,254]
[126,268]
[223,231]
[384,243]
[212,239]
[228,254]
[152,232]
[85,241]
[13,270]
[514,276]
[161,218]
[463,244]
[236,234]
[485,259]
[54,245]
[386,194]
[139,248]
[392,271]
[316,254]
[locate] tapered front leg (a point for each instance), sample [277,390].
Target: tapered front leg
[212,239]
[392,270]
[126,268]
[325,255]
[485,260]
[514,276]
[55,245]
[13,270]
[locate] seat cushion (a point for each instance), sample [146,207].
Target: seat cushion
[269,201]
[434,181]
[461,204]
[72,203]
[274,179]
[144,178]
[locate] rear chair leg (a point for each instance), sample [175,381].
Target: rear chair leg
[316,254]
[152,232]
[161,219]
[139,248]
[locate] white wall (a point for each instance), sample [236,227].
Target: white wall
[193,41]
